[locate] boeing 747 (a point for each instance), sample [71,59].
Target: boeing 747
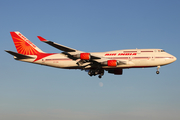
[94,62]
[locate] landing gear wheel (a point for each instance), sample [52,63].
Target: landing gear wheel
[90,73]
[157,72]
[95,72]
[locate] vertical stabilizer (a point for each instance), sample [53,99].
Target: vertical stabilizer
[23,45]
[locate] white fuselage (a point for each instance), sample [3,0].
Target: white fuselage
[133,58]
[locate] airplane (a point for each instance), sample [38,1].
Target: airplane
[95,63]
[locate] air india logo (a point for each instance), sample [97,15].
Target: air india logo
[23,45]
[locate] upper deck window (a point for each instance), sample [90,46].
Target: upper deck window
[146,51]
[129,51]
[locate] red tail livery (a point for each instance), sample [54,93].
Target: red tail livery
[23,45]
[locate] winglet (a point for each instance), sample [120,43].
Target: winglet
[41,39]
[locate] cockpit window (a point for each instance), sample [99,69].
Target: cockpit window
[161,51]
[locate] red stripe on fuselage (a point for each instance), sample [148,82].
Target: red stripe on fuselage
[43,55]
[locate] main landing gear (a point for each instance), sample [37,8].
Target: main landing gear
[96,72]
[157,72]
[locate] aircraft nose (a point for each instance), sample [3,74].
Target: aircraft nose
[174,58]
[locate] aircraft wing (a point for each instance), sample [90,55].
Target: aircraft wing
[74,54]
[56,45]
[67,50]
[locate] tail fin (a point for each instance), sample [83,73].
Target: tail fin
[23,45]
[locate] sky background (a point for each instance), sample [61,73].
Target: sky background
[34,92]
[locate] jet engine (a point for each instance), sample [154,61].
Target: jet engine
[83,56]
[112,63]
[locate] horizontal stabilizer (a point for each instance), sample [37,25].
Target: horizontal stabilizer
[18,55]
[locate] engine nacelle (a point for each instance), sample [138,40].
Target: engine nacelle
[116,71]
[112,63]
[83,56]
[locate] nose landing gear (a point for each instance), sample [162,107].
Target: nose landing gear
[157,72]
